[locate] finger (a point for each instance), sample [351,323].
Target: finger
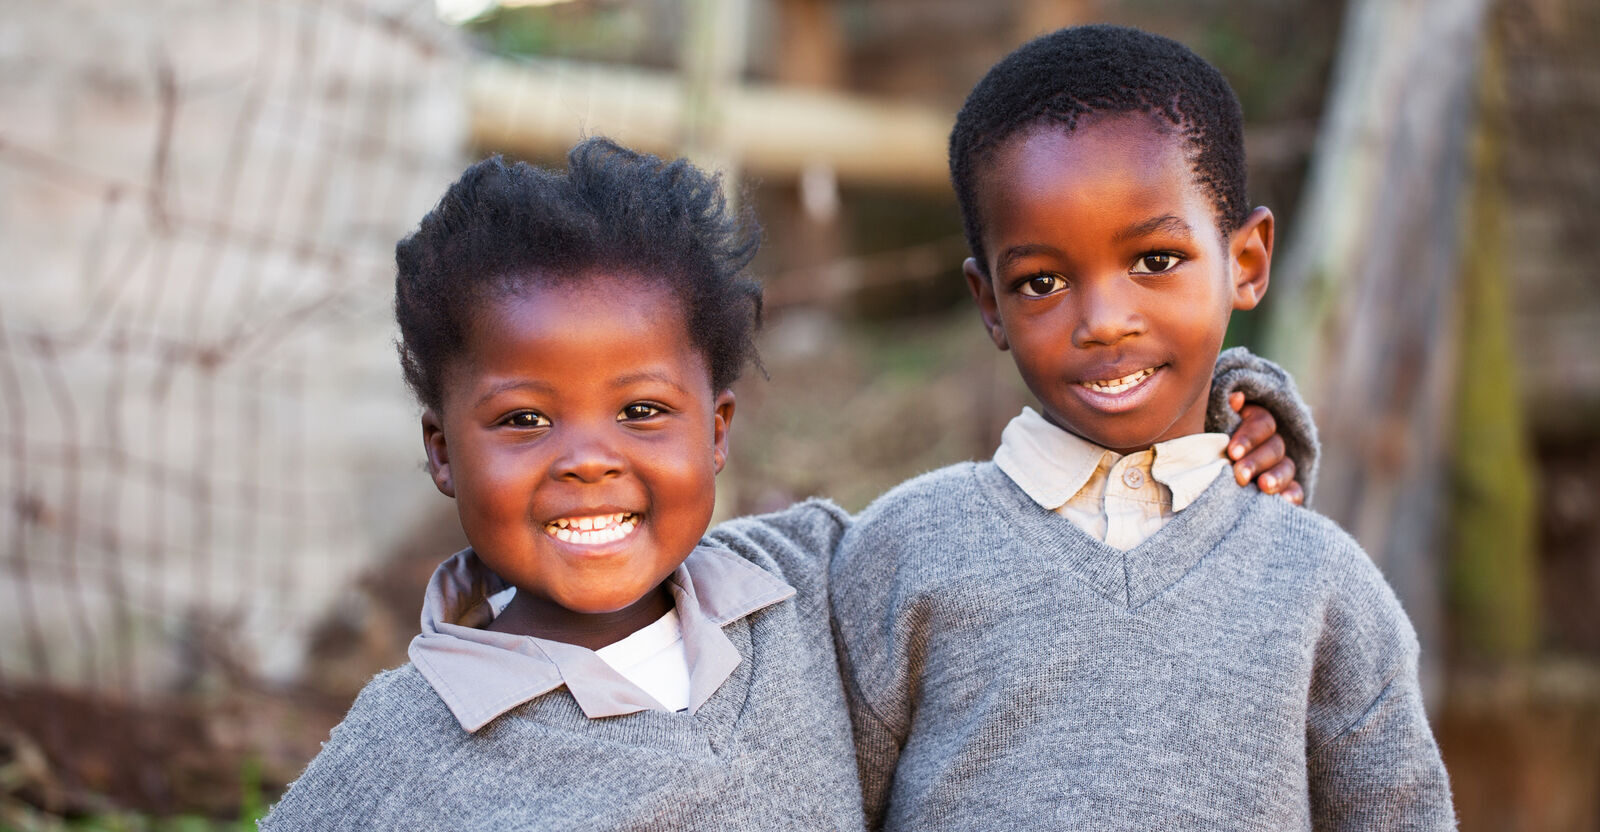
[1276,478]
[1255,425]
[1235,401]
[1294,494]
[1260,460]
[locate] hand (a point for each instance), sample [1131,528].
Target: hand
[1258,452]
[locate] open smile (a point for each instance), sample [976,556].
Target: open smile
[1120,394]
[593,530]
[1120,385]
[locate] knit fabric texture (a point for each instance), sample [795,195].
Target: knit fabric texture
[771,749]
[1245,668]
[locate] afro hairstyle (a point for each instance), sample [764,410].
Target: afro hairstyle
[503,228]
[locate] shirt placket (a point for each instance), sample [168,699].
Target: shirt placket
[1129,492]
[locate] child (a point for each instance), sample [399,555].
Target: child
[591,661]
[1095,630]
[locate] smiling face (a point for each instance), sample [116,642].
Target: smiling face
[1108,279]
[580,438]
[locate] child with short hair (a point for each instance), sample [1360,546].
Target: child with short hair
[592,661]
[1096,630]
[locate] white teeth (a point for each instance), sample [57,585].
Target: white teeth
[593,530]
[1117,385]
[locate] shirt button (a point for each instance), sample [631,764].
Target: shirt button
[1133,478]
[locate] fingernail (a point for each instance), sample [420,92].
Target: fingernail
[1248,472]
[1236,451]
[1269,482]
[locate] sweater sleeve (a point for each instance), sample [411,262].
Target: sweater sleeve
[1371,759]
[881,634]
[1265,383]
[877,752]
[1384,771]
[797,543]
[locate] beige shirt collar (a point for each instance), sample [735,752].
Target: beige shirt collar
[482,674]
[1051,465]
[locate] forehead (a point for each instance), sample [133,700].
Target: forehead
[610,325]
[1116,163]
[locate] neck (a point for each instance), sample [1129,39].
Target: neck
[529,615]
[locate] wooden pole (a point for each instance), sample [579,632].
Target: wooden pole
[1364,309]
[539,108]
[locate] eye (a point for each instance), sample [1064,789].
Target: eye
[1156,263]
[638,410]
[526,419]
[1042,284]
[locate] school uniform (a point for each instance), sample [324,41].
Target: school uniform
[1067,638]
[492,731]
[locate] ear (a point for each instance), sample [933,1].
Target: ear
[719,437]
[438,451]
[988,307]
[1250,253]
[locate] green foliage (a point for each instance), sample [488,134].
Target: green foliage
[16,816]
[587,31]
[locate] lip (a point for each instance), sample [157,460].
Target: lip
[1122,401]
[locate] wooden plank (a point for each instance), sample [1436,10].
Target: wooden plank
[539,108]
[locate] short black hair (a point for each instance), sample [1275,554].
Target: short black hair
[1083,70]
[502,227]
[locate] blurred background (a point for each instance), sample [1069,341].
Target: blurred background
[214,521]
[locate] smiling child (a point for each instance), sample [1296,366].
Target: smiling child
[592,661]
[1097,630]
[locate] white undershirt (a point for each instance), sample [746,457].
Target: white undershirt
[653,658]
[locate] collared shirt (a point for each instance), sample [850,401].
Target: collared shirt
[1121,500]
[653,658]
[481,674]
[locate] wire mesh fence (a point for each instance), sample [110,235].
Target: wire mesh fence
[198,401]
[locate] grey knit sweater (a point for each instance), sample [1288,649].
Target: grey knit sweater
[1247,667]
[770,750]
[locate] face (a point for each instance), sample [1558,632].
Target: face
[580,438]
[1108,279]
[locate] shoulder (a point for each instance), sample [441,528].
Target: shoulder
[807,530]
[933,510]
[813,524]
[1322,551]
[796,544]
[393,716]
[936,495]
[394,726]
[1364,638]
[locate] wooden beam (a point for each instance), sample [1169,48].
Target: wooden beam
[539,108]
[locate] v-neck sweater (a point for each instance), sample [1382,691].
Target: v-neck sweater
[1246,667]
[770,749]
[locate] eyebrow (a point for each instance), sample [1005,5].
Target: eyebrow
[542,387]
[508,386]
[647,375]
[1168,223]
[1018,252]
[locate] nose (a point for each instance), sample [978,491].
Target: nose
[586,457]
[1108,311]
